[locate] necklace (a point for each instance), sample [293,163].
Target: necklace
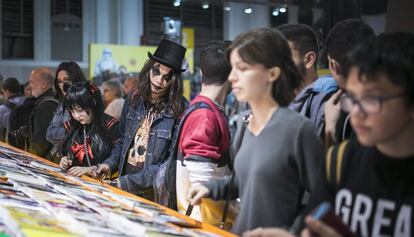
[85,146]
[255,126]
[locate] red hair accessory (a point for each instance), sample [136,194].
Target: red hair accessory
[92,87]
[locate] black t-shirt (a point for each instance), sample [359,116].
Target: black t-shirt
[374,194]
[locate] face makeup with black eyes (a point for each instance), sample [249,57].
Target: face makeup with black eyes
[160,78]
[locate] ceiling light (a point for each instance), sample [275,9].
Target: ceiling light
[283,8]
[226,6]
[205,5]
[275,12]
[248,10]
[177,3]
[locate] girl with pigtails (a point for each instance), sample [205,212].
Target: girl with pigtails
[91,133]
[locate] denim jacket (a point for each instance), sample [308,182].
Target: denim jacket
[56,131]
[158,148]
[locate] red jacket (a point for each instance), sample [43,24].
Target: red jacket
[205,132]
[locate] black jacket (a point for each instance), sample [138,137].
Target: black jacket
[39,119]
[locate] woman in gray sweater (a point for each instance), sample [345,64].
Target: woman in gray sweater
[280,151]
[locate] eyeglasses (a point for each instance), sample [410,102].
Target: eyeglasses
[368,105]
[156,72]
[63,82]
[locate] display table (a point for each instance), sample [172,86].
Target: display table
[38,199]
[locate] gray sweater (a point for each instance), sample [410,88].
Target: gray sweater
[273,171]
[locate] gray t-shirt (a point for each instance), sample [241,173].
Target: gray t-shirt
[273,171]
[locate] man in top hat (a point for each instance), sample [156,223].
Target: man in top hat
[148,120]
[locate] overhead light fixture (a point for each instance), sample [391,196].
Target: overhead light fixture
[248,10]
[177,3]
[275,12]
[283,8]
[205,5]
[226,6]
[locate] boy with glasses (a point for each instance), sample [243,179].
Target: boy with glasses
[369,180]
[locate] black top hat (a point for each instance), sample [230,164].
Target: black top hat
[170,54]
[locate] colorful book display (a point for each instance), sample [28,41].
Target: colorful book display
[37,199]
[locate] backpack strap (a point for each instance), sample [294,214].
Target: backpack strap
[10,105]
[234,149]
[175,155]
[334,163]
[48,98]
[199,105]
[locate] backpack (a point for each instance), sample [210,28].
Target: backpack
[10,105]
[334,162]
[19,119]
[165,179]
[311,105]
[4,133]
[19,115]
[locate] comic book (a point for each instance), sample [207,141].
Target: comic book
[33,223]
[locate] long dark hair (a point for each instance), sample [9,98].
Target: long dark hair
[74,72]
[172,99]
[269,48]
[87,96]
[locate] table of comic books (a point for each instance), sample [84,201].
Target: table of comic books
[38,199]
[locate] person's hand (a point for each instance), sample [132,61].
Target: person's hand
[196,193]
[332,111]
[79,171]
[65,163]
[318,228]
[103,171]
[267,232]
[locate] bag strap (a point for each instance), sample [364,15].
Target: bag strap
[237,143]
[240,133]
[187,112]
[176,154]
[10,105]
[228,197]
[49,98]
[333,163]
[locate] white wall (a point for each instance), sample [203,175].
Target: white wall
[21,69]
[42,28]
[131,22]
[236,21]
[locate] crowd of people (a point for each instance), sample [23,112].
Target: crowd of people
[343,139]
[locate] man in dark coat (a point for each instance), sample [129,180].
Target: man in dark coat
[41,83]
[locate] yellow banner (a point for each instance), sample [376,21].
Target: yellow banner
[117,59]
[109,61]
[187,40]
[188,37]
